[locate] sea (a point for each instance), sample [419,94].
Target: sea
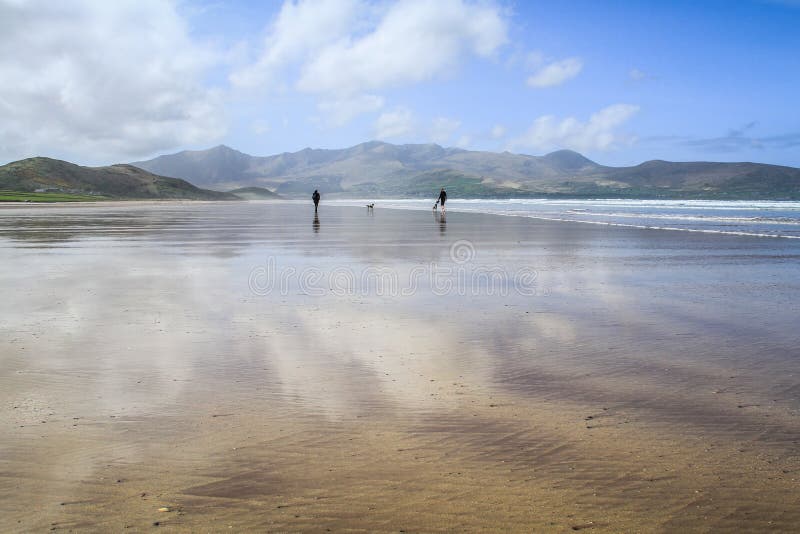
[779,219]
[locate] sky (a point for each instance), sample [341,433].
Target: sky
[98,82]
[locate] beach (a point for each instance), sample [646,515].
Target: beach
[248,366]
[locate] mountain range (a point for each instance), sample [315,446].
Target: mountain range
[382,169]
[377,169]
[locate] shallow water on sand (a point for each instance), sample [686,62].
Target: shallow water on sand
[252,365]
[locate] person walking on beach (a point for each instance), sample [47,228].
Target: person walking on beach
[442,197]
[315,197]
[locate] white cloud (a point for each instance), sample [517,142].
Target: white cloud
[102,81]
[464,141]
[415,40]
[394,124]
[340,111]
[443,129]
[498,131]
[300,31]
[556,73]
[598,133]
[343,50]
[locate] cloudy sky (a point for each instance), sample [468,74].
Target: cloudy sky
[98,82]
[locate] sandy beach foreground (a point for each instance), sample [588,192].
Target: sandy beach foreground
[246,366]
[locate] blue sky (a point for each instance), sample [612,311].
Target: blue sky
[621,82]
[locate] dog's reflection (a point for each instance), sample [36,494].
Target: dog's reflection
[316,223]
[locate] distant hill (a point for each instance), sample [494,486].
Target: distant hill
[220,167]
[255,193]
[383,169]
[115,181]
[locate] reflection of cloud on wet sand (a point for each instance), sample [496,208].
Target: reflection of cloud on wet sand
[138,332]
[341,358]
[128,327]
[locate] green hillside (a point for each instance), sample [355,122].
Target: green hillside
[23,196]
[56,177]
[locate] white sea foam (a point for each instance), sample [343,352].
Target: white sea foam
[744,218]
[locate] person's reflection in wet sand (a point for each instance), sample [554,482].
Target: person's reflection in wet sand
[316,223]
[441,218]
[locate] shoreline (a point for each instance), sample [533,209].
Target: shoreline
[621,225]
[341,203]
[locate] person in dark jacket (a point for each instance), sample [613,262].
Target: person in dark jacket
[442,197]
[315,197]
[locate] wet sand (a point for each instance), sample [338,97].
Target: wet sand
[251,368]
